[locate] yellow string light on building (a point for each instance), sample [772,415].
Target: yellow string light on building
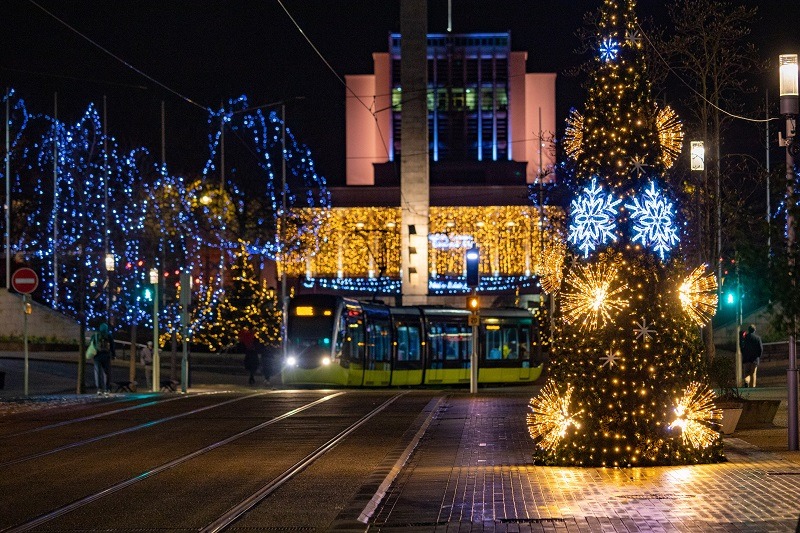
[550,418]
[513,241]
[696,416]
[698,295]
[591,299]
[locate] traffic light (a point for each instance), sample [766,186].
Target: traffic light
[148,294]
[473,304]
[473,259]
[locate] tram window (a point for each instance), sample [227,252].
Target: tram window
[378,338]
[452,342]
[352,339]
[408,343]
[503,342]
[524,343]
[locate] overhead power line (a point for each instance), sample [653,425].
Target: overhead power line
[138,71]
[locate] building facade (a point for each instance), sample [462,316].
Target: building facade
[490,127]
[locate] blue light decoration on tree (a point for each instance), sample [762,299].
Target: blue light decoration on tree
[592,219]
[609,49]
[304,188]
[653,221]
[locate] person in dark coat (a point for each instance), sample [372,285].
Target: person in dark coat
[104,344]
[269,354]
[752,348]
[251,362]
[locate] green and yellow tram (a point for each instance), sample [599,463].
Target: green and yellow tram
[338,341]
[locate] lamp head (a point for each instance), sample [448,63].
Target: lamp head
[788,84]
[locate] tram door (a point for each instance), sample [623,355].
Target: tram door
[449,351]
[378,367]
[407,363]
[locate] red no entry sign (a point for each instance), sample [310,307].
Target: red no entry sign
[24,280]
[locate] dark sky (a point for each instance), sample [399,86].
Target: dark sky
[212,50]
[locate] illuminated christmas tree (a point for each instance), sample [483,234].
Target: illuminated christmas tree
[247,303]
[627,383]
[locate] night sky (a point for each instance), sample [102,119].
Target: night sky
[213,50]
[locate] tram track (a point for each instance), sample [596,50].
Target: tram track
[239,510]
[95,416]
[77,504]
[124,431]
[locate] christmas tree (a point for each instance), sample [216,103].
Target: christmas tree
[627,382]
[247,304]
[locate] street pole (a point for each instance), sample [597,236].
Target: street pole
[8,191]
[737,335]
[284,301]
[473,366]
[154,278]
[25,312]
[186,295]
[789,108]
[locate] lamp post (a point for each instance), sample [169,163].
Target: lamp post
[156,358]
[789,109]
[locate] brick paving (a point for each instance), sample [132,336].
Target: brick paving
[473,471]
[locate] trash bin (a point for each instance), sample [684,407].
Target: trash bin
[2,379]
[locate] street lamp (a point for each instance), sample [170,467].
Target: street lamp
[789,109]
[156,358]
[110,266]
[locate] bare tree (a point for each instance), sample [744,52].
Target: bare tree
[710,53]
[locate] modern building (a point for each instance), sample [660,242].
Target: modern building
[413,203]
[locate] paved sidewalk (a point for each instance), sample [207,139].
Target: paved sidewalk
[473,472]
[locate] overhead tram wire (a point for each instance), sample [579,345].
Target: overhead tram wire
[684,82]
[138,71]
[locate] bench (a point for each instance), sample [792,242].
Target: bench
[125,386]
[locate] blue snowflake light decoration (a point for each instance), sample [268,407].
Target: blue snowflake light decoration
[593,219]
[609,48]
[654,221]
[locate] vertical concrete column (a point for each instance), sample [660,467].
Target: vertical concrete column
[414,166]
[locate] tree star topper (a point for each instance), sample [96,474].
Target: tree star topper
[593,219]
[653,223]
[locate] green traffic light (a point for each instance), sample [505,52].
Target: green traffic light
[148,295]
[731,298]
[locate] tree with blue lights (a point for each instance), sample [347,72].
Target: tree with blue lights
[627,385]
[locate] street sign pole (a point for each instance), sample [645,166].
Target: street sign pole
[24,281]
[25,310]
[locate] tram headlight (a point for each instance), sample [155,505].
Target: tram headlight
[291,361]
[326,361]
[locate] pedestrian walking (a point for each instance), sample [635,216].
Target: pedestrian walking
[752,348]
[146,357]
[103,341]
[269,354]
[248,342]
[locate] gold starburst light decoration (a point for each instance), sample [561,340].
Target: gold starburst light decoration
[670,133]
[698,295]
[550,418]
[593,295]
[553,266]
[696,416]
[573,134]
